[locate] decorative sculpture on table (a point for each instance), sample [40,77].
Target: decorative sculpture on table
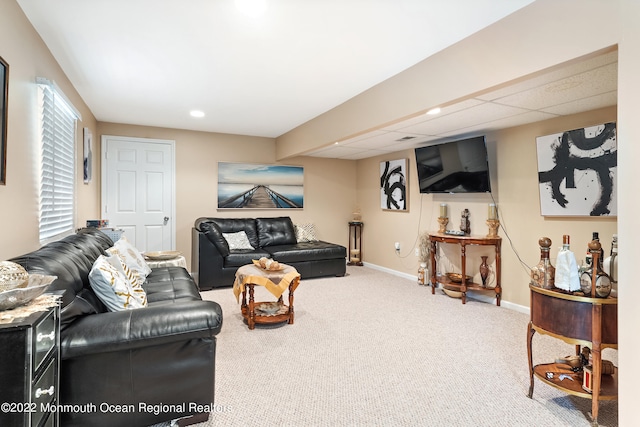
[443,219]
[484,270]
[423,258]
[465,224]
[492,220]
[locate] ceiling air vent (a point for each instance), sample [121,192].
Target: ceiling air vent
[405,138]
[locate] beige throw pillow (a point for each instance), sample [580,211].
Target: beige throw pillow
[130,256]
[237,240]
[306,233]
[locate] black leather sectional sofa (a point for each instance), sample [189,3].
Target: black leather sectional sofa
[214,263]
[162,354]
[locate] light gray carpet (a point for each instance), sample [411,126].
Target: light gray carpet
[373,349]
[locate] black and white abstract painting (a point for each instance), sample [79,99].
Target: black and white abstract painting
[393,185]
[87,155]
[577,172]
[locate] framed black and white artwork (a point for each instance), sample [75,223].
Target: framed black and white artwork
[393,185]
[87,155]
[577,171]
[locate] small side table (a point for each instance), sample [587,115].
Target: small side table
[29,372]
[178,261]
[276,282]
[355,243]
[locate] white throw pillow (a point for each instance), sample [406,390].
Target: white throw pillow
[130,256]
[237,240]
[109,281]
[306,233]
[133,277]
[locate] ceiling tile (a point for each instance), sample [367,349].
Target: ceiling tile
[546,78]
[450,109]
[578,86]
[503,123]
[585,104]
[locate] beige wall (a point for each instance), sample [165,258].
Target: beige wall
[328,184]
[513,163]
[28,58]
[629,206]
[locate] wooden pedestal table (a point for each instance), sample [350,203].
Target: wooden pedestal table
[355,243]
[463,286]
[583,321]
[276,282]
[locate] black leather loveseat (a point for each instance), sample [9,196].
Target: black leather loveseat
[215,263]
[161,354]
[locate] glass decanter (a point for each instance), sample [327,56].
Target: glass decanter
[543,274]
[602,279]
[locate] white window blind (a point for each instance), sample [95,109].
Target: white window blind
[57,189]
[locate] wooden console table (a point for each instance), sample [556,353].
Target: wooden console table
[583,321]
[463,241]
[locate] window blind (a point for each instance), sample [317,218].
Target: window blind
[57,178]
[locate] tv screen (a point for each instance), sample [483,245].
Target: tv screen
[454,167]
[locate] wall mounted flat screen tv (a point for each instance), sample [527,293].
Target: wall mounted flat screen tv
[454,167]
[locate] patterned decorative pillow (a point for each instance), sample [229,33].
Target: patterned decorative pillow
[306,233]
[130,256]
[108,279]
[237,240]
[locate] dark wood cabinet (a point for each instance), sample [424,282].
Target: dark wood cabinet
[29,369]
[579,320]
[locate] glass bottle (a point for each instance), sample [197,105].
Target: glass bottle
[610,265]
[423,273]
[603,281]
[567,274]
[543,274]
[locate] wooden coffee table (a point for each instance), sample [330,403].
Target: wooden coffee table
[276,282]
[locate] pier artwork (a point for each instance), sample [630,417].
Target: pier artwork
[258,197]
[258,186]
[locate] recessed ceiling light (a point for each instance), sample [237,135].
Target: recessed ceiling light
[197,113]
[434,111]
[253,8]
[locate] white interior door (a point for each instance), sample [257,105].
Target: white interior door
[138,190]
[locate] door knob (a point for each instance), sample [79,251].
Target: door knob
[165,220]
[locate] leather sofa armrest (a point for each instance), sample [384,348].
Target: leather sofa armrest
[131,329]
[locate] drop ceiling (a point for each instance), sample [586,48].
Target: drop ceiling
[582,86]
[149,62]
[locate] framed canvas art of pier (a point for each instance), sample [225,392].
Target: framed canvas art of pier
[254,186]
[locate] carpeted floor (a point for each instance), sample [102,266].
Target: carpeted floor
[373,349]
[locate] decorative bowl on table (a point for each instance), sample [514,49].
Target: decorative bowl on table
[36,285]
[269,308]
[453,293]
[161,255]
[268,264]
[12,275]
[457,277]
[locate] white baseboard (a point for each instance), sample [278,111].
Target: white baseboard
[390,271]
[472,295]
